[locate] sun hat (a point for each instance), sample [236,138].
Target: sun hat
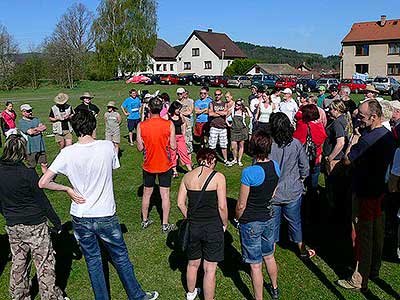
[321,88]
[180,90]
[111,104]
[86,95]
[61,98]
[287,91]
[371,88]
[395,104]
[26,107]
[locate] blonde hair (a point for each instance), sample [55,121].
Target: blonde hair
[14,148]
[342,109]
[387,110]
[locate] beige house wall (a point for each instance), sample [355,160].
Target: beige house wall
[378,59]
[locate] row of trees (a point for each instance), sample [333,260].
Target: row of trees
[118,39]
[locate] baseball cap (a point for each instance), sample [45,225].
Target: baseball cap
[26,107]
[322,88]
[304,95]
[180,90]
[287,91]
[395,104]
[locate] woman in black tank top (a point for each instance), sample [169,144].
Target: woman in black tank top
[208,217]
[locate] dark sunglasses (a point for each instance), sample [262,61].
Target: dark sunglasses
[29,111]
[218,94]
[202,93]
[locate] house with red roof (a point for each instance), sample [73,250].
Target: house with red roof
[372,48]
[207,53]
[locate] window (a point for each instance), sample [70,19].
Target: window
[393,69]
[187,65]
[362,68]
[171,67]
[158,67]
[207,65]
[362,50]
[394,48]
[195,51]
[258,70]
[165,67]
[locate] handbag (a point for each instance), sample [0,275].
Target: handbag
[184,230]
[310,147]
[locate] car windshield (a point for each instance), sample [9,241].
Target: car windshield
[322,81]
[346,80]
[380,79]
[257,77]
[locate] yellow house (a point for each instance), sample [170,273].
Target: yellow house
[373,48]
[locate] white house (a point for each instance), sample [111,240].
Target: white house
[207,53]
[163,60]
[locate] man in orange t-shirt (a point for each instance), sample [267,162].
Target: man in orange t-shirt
[155,137]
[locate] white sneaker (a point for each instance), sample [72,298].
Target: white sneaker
[227,163]
[192,296]
[240,164]
[233,162]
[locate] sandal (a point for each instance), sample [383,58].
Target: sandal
[308,254]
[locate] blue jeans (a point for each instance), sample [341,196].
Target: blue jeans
[257,240]
[292,213]
[88,232]
[314,175]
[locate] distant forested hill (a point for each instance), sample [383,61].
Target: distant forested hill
[273,55]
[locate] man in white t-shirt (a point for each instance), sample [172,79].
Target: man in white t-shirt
[288,106]
[93,206]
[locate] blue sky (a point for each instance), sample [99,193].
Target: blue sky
[306,26]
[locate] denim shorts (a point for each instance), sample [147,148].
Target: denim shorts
[257,240]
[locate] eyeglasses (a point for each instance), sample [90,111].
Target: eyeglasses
[28,111]
[218,94]
[203,93]
[179,93]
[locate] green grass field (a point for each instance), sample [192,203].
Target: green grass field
[157,266]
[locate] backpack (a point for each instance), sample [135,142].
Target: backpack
[310,147]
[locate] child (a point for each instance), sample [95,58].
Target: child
[112,120]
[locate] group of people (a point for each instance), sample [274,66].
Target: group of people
[291,141]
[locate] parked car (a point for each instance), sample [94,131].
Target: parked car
[169,79]
[306,85]
[138,79]
[268,81]
[386,85]
[203,80]
[239,81]
[221,81]
[155,79]
[286,82]
[355,85]
[327,82]
[187,79]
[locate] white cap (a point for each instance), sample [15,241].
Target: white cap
[287,91]
[395,104]
[26,107]
[180,90]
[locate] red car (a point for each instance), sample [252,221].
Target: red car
[221,81]
[169,79]
[138,79]
[355,85]
[283,83]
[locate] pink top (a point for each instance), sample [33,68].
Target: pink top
[9,119]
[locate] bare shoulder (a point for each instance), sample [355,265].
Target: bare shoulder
[219,176]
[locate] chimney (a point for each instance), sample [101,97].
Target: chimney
[383,20]
[209,30]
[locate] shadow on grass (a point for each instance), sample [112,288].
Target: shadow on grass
[155,199]
[5,253]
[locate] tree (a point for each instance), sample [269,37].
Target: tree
[68,47]
[31,69]
[239,67]
[126,34]
[8,54]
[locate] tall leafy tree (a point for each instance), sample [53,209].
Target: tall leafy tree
[8,54]
[126,34]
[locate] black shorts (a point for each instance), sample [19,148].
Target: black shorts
[164,179]
[132,124]
[206,241]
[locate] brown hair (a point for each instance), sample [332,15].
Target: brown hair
[206,155]
[309,113]
[260,144]
[14,148]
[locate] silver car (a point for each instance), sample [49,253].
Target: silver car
[239,81]
[327,82]
[386,85]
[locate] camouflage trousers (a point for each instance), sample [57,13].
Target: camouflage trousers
[26,241]
[189,136]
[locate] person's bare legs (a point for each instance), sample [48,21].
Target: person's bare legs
[189,167]
[61,143]
[44,168]
[164,192]
[130,137]
[224,154]
[272,269]
[116,146]
[147,191]
[209,279]
[257,280]
[241,150]
[234,146]
[191,274]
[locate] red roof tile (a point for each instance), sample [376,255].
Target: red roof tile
[373,31]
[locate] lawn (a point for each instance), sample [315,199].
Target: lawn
[157,265]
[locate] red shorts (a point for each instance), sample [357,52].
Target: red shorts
[201,129]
